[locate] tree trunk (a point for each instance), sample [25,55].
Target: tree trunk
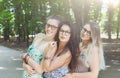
[86,10]
[118,26]
[26,22]
[6,31]
[110,16]
[77,9]
[97,10]
[17,19]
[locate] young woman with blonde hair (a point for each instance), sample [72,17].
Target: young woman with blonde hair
[91,58]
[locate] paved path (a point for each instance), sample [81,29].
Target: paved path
[11,65]
[112,71]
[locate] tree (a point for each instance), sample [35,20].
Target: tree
[77,9]
[118,26]
[110,16]
[86,11]
[5,18]
[97,10]
[18,13]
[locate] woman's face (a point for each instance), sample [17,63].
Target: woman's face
[51,27]
[86,33]
[64,33]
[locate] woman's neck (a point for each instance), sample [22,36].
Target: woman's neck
[49,38]
[61,46]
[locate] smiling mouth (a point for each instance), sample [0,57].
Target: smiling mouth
[48,32]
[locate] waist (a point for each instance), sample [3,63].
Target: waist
[58,73]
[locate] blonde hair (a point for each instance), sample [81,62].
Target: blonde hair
[96,41]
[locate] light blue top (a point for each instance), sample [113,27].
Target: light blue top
[37,56]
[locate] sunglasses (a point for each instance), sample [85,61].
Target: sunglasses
[53,27]
[87,32]
[65,32]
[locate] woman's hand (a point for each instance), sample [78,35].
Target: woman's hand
[51,49]
[28,69]
[52,44]
[25,58]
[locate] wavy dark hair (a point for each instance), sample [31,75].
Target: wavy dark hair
[72,45]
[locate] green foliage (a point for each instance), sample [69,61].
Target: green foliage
[28,17]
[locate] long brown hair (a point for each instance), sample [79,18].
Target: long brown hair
[72,45]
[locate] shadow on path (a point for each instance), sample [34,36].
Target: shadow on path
[10,63]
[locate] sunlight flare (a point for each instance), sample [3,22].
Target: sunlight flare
[113,2]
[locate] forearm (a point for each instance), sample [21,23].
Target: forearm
[84,75]
[47,64]
[24,65]
[60,61]
[37,67]
[48,60]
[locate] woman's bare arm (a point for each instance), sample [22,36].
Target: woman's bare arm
[58,61]
[37,67]
[28,69]
[94,68]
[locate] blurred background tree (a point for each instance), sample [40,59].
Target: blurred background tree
[22,19]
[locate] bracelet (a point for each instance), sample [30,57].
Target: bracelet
[47,58]
[25,59]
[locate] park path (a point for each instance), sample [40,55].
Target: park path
[11,65]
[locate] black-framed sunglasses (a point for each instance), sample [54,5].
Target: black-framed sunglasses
[63,31]
[87,32]
[53,27]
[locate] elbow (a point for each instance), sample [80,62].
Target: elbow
[49,68]
[94,75]
[91,76]
[39,71]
